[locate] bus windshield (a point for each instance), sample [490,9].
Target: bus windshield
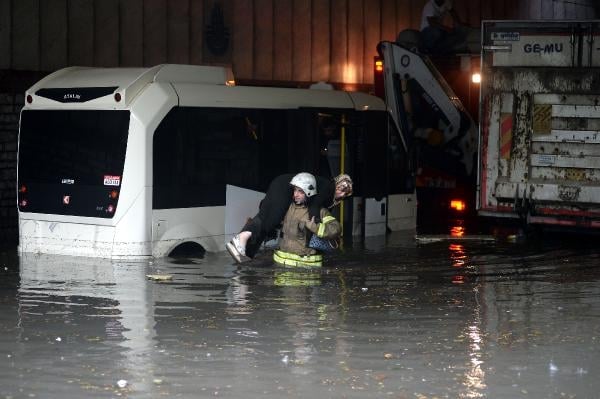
[71,161]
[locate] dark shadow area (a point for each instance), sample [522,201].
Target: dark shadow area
[188,250]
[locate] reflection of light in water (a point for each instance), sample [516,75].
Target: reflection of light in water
[457,231]
[237,292]
[474,377]
[288,278]
[457,255]
[458,279]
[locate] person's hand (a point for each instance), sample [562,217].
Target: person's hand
[310,224]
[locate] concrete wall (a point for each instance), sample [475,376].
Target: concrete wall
[9,106]
[286,40]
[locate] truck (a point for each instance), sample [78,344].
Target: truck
[539,138]
[438,133]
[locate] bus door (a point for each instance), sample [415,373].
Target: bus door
[372,171]
[325,135]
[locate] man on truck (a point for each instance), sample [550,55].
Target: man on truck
[436,37]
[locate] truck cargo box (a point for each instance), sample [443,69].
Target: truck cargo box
[539,144]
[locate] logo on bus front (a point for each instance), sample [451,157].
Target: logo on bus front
[112,180]
[72,97]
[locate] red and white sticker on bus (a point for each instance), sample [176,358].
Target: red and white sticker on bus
[112,180]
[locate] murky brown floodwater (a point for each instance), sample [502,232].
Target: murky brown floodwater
[398,319]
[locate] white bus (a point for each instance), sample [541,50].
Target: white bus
[126,162]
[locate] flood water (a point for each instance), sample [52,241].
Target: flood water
[395,319]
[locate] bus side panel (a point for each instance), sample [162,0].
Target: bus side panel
[204,226]
[74,239]
[402,212]
[133,233]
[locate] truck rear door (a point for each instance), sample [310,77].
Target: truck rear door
[539,144]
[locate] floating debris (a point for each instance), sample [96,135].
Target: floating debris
[159,277]
[122,383]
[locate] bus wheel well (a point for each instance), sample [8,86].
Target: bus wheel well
[188,249]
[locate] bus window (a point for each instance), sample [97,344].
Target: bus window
[71,161]
[273,140]
[367,137]
[329,146]
[198,151]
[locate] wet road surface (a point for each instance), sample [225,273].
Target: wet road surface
[396,319]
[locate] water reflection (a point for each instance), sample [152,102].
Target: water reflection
[98,304]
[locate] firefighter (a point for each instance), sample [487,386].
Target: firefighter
[273,207]
[298,227]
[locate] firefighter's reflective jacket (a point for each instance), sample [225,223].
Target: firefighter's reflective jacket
[296,231]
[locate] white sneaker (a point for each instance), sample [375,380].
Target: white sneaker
[236,250]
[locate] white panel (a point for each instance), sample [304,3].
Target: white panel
[595,51]
[402,212]
[375,217]
[569,136]
[566,99]
[241,204]
[75,239]
[535,50]
[204,226]
[576,111]
[560,161]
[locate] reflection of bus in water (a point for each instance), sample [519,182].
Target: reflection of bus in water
[138,162]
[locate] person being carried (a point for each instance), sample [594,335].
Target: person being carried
[437,38]
[298,227]
[272,209]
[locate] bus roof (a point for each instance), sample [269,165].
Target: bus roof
[195,85]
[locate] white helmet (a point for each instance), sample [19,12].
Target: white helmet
[306,182]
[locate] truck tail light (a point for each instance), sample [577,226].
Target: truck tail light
[378,77]
[458,205]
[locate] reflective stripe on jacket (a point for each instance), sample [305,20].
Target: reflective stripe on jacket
[290,259]
[296,229]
